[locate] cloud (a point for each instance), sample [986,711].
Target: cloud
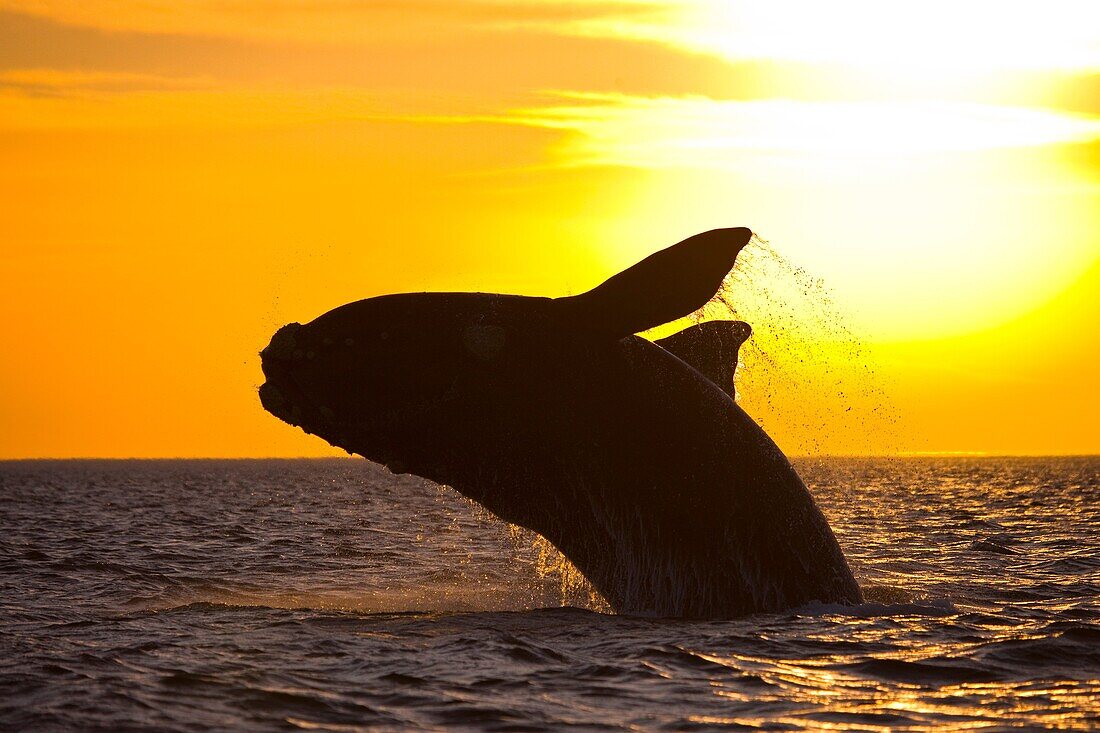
[477,57]
[319,21]
[55,82]
[72,107]
[478,69]
[698,132]
[942,37]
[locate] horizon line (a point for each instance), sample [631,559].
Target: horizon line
[807,456]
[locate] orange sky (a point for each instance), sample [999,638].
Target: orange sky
[182,178]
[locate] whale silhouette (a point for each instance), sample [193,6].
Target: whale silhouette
[631,457]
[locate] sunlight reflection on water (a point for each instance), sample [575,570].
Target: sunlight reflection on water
[330,594]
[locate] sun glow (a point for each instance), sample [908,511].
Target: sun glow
[965,196]
[938,39]
[697,132]
[200,173]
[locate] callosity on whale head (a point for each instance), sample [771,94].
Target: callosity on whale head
[553,415]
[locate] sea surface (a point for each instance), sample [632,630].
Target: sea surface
[332,595]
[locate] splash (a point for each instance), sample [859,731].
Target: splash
[543,577]
[563,584]
[805,374]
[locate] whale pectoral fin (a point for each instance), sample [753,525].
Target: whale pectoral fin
[711,348]
[663,287]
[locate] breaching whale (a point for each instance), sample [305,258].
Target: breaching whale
[630,456]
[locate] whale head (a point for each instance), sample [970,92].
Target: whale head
[376,376]
[420,382]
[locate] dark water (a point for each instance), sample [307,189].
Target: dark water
[331,595]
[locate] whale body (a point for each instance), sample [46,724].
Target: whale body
[553,415]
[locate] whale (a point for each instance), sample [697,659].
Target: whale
[630,456]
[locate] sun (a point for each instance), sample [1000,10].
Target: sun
[935,41]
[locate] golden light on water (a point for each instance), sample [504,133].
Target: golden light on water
[183,178]
[862,696]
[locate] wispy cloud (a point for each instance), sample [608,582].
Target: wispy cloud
[488,54]
[596,128]
[321,21]
[697,132]
[56,82]
[493,64]
[71,106]
[940,36]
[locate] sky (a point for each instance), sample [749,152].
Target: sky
[181,178]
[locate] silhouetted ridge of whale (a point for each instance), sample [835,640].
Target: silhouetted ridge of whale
[553,415]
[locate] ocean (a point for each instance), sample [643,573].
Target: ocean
[331,595]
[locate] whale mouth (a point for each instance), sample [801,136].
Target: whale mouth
[281,394]
[282,397]
[276,401]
